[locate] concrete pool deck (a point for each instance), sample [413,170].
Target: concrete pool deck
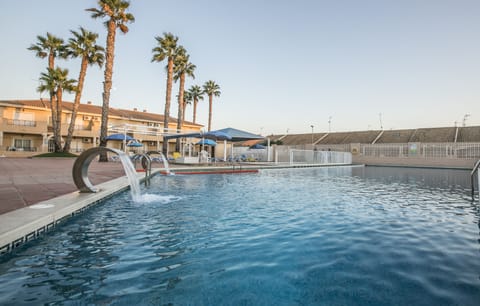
[37,194]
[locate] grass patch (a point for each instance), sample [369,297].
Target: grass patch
[56,154]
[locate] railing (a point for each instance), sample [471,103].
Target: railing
[319,157]
[472,178]
[18,122]
[423,150]
[25,149]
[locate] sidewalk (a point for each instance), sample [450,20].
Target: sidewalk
[26,181]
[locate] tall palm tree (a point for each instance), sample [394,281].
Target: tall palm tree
[166,49]
[182,68]
[211,89]
[50,46]
[82,44]
[55,81]
[197,94]
[115,13]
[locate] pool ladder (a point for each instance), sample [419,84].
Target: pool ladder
[472,178]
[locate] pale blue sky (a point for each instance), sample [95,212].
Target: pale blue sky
[280,64]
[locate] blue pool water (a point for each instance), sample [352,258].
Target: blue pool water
[323,236]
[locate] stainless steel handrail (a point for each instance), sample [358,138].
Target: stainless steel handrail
[472,178]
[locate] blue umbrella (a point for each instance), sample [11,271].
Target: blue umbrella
[258,146]
[119,137]
[207,142]
[134,144]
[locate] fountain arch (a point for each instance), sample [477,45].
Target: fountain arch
[80,167]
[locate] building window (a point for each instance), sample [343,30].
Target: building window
[23,144]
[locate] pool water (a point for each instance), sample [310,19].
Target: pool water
[317,236]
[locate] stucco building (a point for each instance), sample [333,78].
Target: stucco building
[26,127]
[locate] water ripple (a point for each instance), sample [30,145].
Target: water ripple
[283,237]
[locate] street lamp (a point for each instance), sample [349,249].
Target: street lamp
[329,123]
[312,133]
[465,119]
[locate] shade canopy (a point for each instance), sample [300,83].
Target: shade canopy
[216,135]
[207,142]
[230,134]
[239,135]
[119,137]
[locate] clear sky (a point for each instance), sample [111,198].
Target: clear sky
[281,64]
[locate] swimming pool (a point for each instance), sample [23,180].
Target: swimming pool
[340,235]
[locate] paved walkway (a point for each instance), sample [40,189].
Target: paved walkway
[26,181]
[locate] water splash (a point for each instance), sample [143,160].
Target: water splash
[165,164]
[132,177]
[156,198]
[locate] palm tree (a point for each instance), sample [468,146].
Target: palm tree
[117,17]
[82,45]
[55,81]
[182,68]
[211,89]
[197,94]
[50,46]
[166,49]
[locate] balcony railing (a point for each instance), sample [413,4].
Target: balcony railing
[25,149]
[19,122]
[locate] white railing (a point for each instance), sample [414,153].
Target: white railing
[423,150]
[319,157]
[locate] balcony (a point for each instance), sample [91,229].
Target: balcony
[23,126]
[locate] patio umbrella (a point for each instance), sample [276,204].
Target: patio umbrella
[119,137]
[207,142]
[258,147]
[134,144]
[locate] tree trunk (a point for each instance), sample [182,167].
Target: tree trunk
[166,113]
[210,98]
[78,95]
[51,60]
[58,129]
[107,85]
[195,101]
[53,108]
[180,110]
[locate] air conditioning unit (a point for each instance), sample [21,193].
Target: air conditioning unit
[87,118]
[87,140]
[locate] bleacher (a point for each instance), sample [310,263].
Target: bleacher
[426,135]
[468,134]
[361,137]
[335,138]
[446,134]
[396,136]
[300,139]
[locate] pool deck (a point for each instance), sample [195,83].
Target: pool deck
[36,194]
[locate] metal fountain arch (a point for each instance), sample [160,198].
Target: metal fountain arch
[80,167]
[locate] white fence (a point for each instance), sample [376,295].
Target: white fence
[319,157]
[400,150]
[425,150]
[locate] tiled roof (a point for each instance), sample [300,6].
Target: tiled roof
[92,109]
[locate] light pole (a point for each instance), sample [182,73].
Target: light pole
[465,120]
[381,123]
[329,123]
[312,133]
